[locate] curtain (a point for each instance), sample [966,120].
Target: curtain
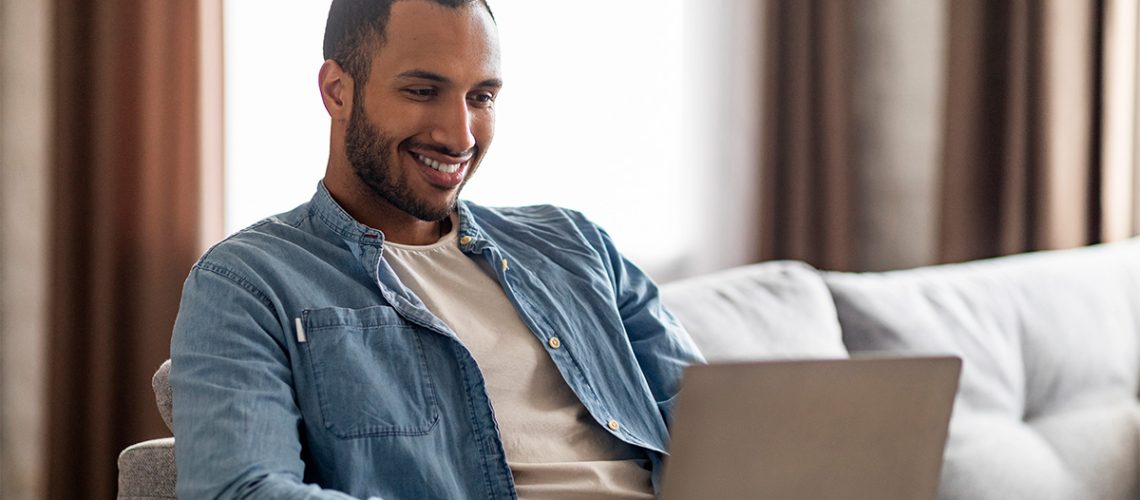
[807,195]
[124,226]
[1120,192]
[1023,161]
[1036,129]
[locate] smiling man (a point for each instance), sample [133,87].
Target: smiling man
[388,340]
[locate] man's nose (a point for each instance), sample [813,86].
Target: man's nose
[453,127]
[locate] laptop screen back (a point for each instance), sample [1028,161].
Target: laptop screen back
[819,429]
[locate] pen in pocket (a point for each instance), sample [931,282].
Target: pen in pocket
[301,339]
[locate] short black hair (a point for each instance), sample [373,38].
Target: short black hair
[356,29]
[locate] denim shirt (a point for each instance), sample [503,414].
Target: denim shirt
[299,359]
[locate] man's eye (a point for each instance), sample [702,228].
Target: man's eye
[421,93]
[483,98]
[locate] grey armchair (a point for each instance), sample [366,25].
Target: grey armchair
[146,469]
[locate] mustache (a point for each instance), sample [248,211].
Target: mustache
[470,153]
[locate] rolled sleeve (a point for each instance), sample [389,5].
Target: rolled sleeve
[662,346]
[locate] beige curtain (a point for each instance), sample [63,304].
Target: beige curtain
[124,227]
[1120,134]
[24,104]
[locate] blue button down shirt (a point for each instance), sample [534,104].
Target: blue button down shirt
[299,359]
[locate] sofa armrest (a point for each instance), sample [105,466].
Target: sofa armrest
[162,396]
[146,470]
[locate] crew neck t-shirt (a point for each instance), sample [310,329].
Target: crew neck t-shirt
[554,447]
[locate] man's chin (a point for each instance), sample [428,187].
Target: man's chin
[436,213]
[442,214]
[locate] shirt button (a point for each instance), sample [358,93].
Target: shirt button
[555,343]
[613,425]
[466,240]
[505,264]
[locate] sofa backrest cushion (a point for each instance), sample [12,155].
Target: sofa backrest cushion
[1050,344]
[776,309]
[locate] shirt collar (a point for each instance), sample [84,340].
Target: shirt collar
[324,207]
[471,235]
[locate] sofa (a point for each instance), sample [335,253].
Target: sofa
[1047,403]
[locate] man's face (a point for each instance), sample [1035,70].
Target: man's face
[424,119]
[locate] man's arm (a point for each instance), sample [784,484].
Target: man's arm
[662,346]
[235,418]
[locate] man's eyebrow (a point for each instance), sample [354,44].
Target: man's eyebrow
[491,82]
[419,74]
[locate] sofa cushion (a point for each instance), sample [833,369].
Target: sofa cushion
[769,310]
[1050,344]
[147,471]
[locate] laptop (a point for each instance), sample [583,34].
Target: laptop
[850,429]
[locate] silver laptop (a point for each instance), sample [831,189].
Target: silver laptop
[816,430]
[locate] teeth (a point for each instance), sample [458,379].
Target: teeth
[442,167]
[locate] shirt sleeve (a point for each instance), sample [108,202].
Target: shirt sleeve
[236,422]
[662,346]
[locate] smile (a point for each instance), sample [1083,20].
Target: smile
[447,168]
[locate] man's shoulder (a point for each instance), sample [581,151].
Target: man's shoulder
[543,231]
[545,216]
[262,243]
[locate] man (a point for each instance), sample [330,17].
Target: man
[387,340]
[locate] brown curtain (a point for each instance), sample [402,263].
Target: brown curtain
[1034,124]
[125,225]
[808,194]
[1038,136]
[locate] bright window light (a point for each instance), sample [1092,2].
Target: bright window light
[590,117]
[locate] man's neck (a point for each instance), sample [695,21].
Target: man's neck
[375,212]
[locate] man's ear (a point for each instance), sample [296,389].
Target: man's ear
[336,90]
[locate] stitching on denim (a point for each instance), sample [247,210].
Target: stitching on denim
[481,440]
[331,223]
[433,405]
[206,254]
[237,279]
[337,226]
[308,215]
[371,325]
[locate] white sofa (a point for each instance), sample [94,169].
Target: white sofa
[1047,406]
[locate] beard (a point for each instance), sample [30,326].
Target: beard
[370,153]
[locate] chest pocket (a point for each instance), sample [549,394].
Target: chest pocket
[370,373]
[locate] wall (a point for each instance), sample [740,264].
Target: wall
[24,115]
[723,101]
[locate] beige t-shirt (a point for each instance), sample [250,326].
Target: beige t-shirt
[554,448]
